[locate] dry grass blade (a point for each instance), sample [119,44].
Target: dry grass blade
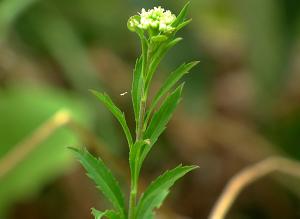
[21,150]
[249,175]
[60,119]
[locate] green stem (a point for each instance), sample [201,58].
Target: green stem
[132,202]
[139,135]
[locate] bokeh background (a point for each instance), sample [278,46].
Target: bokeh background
[241,104]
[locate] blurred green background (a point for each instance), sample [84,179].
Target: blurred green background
[241,103]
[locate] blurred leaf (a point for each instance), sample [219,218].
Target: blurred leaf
[22,110]
[64,45]
[156,193]
[9,11]
[103,178]
[268,55]
[284,132]
[46,26]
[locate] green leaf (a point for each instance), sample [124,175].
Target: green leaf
[137,87]
[10,10]
[169,83]
[174,42]
[182,15]
[160,119]
[135,159]
[110,214]
[158,56]
[102,177]
[183,24]
[163,115]
[159,38]
[105,99]
[158,191]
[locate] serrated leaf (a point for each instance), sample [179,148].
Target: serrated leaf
[102,177]
[137,87]
[110,214]
[106,100]
[169,83]
[155,194]
[181,16]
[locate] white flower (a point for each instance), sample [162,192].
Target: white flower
[155,19]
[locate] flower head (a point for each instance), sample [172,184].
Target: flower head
[154,20]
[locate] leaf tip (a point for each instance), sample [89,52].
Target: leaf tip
[73,149]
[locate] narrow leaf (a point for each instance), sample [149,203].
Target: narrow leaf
[169,83]
[102,177]
[135,159]
[160,119]
[163,115]
[182,15]
[105,99]
[137,87]
[183,24]
[158,191]
[110,214]
[158,56]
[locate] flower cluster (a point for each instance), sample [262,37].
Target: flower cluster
[157,19]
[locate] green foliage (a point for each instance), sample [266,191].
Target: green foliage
[137,87]
[103,178]
[10,10]
[169,83]
[162,117]
[108,214]
[158,190]
[150,125]
[105,99]
[182,15]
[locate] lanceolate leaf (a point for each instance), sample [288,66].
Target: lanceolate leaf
[137,87]
[183,24]
[110,214]
[160,119]
[158,190]
[105,99]
[158,56]
[102,177]
[135,161]
[163,115]
[182,15]
[170,82]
